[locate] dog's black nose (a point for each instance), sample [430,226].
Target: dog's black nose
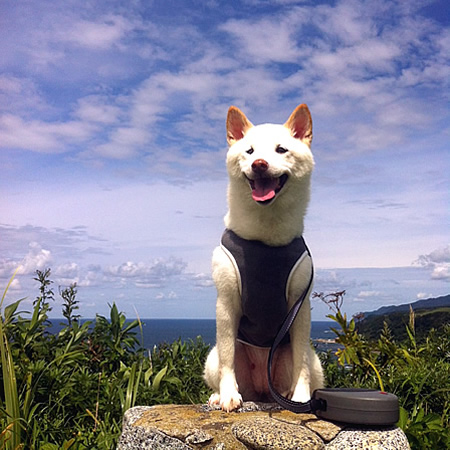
[260,166]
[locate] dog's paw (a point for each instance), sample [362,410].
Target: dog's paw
[230,402]
[301,394]
[214,400]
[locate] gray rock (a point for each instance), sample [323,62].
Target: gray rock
[375,439]
[199,437]
[148,439]
[255,426]
[137,437]
[271,434]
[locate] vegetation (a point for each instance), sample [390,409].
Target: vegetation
[424,321]
[418,373]
[70,390]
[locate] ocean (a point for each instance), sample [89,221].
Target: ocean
[157,331]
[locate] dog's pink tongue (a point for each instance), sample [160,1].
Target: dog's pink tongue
[264,189]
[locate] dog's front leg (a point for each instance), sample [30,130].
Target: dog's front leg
[306,369]
[228,313]
[301,355]
[230,398]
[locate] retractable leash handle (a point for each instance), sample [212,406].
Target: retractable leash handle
[354,406]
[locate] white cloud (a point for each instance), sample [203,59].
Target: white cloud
[440,255]
[129,269]
[441,272]
[36,258]
[68,270]
[166,296]
[21,95]
[101,34]
[95,108]
[365,294]
[15,285]
[92,277]
[438,261]
[266,40]
[203,280]
[40,136]
[422,295]
[349,22]
[124,143]
[147,275]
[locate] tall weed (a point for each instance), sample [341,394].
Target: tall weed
[10,436]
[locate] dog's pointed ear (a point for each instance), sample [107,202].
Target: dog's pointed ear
[237,125]
[300,124]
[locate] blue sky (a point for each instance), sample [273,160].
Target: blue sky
[112,144]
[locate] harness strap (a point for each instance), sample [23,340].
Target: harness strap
[297,407]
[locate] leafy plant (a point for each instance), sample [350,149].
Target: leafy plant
[11,433]
[417,372]
[71,389]
[70,304]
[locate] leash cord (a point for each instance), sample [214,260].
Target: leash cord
[297,407]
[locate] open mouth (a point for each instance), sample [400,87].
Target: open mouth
[265,189]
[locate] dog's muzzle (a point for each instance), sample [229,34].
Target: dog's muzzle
[265,189]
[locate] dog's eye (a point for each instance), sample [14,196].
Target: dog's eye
[281,149]
[250,151]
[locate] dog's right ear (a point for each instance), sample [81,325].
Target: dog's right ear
[237,125]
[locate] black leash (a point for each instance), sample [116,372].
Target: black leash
[286,403]
[355,406]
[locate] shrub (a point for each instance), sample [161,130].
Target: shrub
[419,374]
[70,390]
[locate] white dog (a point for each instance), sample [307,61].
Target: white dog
[261,268]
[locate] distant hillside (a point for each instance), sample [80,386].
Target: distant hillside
[430,313]
[429,303]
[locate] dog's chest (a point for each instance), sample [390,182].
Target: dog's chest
[264,274]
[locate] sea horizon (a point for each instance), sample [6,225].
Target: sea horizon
[158,331]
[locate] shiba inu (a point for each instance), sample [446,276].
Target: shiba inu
[261,267]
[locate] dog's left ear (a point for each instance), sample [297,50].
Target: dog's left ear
[300,124]
[237,125]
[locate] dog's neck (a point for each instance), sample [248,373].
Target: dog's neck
[275,224]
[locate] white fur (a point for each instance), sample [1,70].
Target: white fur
[237,371]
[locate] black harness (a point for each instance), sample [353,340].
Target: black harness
[264,272]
